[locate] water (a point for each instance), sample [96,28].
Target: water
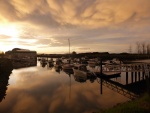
[44,90]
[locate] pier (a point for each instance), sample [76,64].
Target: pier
[135,67]
[137,71]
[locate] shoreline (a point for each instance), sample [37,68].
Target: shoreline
[139,105]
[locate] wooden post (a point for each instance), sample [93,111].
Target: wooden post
[126,77]
[135,76]
[143,74]
[132,77]
[101,86]
[139,74]
[101,67]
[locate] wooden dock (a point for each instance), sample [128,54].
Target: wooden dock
[137,71]
[136,67]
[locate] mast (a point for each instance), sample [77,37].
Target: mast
[69,46]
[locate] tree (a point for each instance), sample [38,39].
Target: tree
[143,47]
[74,53]
[130,48]
[138,48]
[148,48]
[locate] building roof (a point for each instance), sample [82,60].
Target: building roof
[19,50]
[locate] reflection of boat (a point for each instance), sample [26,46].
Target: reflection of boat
[80,73]
[68,72]
[80,78]
[58,69]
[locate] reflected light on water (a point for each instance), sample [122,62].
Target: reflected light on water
[43,90]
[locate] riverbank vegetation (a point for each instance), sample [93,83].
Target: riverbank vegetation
[140,105]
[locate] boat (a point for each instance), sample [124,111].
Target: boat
[58,63]
[81,69]
[67,66]
[108,74]
[51,62]
[81,73]
[67,62]
[43,62]
[93,62]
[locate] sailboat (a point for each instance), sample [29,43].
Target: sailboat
[68,65]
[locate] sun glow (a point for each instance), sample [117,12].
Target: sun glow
[10,36]
[9,30]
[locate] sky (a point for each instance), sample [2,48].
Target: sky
[91,25]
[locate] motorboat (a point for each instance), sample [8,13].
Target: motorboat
[51,62]
[67,66]
[81,69]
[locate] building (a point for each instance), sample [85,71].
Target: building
[21,54]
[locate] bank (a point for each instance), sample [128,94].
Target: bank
[140,105]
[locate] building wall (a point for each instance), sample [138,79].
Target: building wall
[21,55]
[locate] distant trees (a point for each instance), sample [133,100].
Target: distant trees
[74,53]
[142,48]
[148,48]
[1,53]
[130,48]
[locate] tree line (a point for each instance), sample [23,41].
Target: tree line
[142,48]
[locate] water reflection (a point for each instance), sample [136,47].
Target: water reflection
[24,64]
[58,69]
[40,90]
[80,78]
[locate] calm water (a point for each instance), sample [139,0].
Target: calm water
[44,90]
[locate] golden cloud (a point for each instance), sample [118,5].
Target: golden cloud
[91,13]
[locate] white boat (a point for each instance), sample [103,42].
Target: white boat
[67,66]
[81,70]
[93,62]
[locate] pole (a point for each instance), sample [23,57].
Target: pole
[101,67]
[69,46]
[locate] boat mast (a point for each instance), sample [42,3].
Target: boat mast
[69,46]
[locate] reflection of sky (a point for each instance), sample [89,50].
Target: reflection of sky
[42,90]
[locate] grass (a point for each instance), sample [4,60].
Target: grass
[141,105]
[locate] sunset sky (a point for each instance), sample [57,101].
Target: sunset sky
[91,25]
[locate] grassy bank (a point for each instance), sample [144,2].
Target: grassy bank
[141,105]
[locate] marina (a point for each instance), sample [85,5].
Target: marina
[58,89]
[74,56]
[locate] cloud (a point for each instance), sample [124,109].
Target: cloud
[91,14]
[7,11]
[52,22]
[52,92]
